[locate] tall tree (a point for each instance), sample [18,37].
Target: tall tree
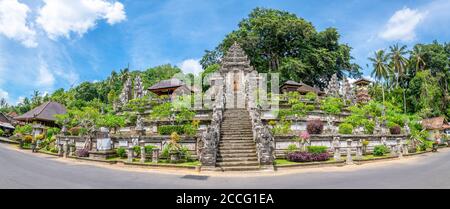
[278,41]
[398,60]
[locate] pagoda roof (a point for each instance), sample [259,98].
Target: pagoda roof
[44,112]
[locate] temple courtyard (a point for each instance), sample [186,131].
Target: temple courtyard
[22,169]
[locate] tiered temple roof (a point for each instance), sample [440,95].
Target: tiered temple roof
[235,59]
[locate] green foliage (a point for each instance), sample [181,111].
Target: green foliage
[345,128]
[380,150]
[169,129]
[136,150]
[163,72]
[332,105]
[185,154]
[162,111]
[317,149]
[279,41]
[138,104]
[310,107]
[292,148]
[25,129]
[1,132]
[149,149]
[121,152]
[293,97]
[52,132]
[311,96]
[283,128]
[111,121]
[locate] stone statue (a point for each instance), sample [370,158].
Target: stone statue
[359,130]
[377,128]
[333,86]
[138,88]
[347,92]
[139,123]
[407,129]
[125,96]
[330,129]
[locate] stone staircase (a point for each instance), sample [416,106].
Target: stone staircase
[237,150]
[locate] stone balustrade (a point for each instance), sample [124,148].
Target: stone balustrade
[340,141]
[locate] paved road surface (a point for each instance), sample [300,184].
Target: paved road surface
[21,169]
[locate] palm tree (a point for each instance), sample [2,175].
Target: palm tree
[398,60]
[399,64]
[417,55]
[381,70]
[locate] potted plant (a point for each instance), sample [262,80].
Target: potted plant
[174,147]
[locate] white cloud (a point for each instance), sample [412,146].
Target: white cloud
[45,77]
[63,17]
[191,66]
[70,76]
[13,22]
[402,25]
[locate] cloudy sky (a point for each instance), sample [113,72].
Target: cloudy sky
[49,44]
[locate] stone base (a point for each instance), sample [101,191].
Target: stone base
[102,155]
[210,168]
[267,168]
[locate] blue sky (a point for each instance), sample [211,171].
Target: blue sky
[49,44]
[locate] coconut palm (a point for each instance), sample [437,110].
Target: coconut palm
[398,60]
[417,55]
[381,70]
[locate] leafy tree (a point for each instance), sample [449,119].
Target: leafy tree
[275,39]
[86,91]
[163,72]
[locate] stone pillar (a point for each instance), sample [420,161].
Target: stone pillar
[130,154]
[349,160]
[60,149]
[336,148]
[65,149]
[393,151]
[155,155]
[405,148]
[359,150]
[72,150]
[399,147]
[143,154]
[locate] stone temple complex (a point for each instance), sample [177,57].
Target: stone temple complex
[237,126]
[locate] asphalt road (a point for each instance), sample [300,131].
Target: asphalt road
[21,169]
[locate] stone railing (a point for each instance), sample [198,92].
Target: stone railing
[339,141]
[209,140]
[265,143]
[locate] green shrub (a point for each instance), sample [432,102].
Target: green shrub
[282,129]
[53,150]
[310,108]
[299,109]
[190,130]
[149,148]
[293,97]
[345,128]
[169,129]
[317,149]
[380,150]
[1,132]
[292,148]
[165,152]
[332,105]
[136,150]
[121,152]
[311,96]
[185,154]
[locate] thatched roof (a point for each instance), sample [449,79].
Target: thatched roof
[436,123]
[45,112]
[362,81]
[164,84]
[302,87]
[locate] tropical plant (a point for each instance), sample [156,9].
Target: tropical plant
[332,105]
[380,150]
[317,149]
[314,126]
[121,152]
[345,128]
